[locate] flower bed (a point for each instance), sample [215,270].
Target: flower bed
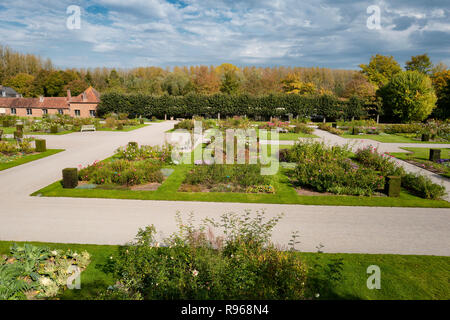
[31,272]
[131,166]
[420,185]
[227,178]
[328,169]
[12,150]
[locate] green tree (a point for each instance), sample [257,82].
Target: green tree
[22,83]
[76,87]
[421,63]
[380,69]
[230,76]
[408,97]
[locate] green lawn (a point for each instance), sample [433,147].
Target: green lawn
[284,194]
[402,276]
[421,155]
[29,158]
[387,138]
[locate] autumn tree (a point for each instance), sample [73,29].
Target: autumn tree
[360,87]
[380,69]
[205,80]
[293,85]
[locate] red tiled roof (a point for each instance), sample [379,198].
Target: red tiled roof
[91,95]
[40,103]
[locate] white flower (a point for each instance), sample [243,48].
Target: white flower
[45,281]
[54,252]
[195,273]
[317,295]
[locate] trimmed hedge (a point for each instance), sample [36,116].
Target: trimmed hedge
[41,145]
[275,105]
[70,178]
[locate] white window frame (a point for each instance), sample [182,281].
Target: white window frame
[77,111]
[44,111]
[60,111]
[13,111]
[29,111]
[92,113]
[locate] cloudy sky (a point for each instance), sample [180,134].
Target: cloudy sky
[129,33]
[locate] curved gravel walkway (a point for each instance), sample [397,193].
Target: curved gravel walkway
[110,221]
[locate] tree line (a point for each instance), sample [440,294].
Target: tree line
[413,93]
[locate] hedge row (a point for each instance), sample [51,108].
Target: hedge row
[227,105]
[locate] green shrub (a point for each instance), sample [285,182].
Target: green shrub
[54,129]
[393,186]
[122,172]
[371,158]
[133,152]
[422,186]
[195,264]
[25,146]
[302,128]
[239,175]
[119,126]
[70,178]
[328,169]
[41,145]
[8,149]
[32,272]
[326,127]
[18,134]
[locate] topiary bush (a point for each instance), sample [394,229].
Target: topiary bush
[41,145]
[54,129]
[70,178]
[393,186]
[18,134]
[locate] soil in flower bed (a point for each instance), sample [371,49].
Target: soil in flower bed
[152,186]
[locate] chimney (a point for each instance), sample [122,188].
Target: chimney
[41,99]
[84,96]
[69,96]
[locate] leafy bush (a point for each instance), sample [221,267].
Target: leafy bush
[122,172]
[422,186]
[330,129]
[37,272]
[419,185]
[328,169]
[370,157]
[240,175]
[133,152]
[302,128]
[242,263]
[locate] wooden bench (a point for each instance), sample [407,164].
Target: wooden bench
[88,127]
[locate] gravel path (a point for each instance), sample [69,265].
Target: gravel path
[109,221]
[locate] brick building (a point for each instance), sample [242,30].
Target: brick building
[83,105]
